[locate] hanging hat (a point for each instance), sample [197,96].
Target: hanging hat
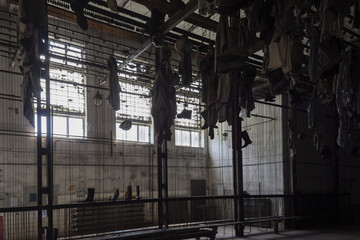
[125,125]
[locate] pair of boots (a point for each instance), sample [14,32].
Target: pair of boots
[78,7]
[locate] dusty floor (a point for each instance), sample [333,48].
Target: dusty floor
[254,233]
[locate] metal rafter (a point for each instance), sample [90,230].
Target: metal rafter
[165,28]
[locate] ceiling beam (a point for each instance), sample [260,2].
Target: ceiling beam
[165,28]
[103,27]
[166,7]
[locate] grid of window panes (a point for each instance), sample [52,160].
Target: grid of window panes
[188,132]
[137,133]
[67,98]
[134,103]
[188,138]
[193,104]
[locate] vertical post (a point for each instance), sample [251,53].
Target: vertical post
[336,172]
[44,151]
[292,147]
[165,185]
[235,192]
[160,197]
[39,165]
[163,207]
[49,160]
[240,179]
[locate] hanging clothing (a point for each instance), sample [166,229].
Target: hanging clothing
[346,97]
[32,27]
[313,65]
[163,107]
[245,89]
[114,85]
[285,22]
[267,22]
[280,54]
[224,103]
[254,16]
[332,15]
[184,47]
[342,79]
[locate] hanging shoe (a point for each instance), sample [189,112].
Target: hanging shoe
[186,114]
[112,5]
[90,195]
[245,136]
[115,196]
[78,7]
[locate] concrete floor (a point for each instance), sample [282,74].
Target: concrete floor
[339,233]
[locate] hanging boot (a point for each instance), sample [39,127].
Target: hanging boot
[137,192]
[78,7]
[245,136]
[115,196]
[90,195]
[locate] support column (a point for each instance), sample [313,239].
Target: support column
[163,207]
[44,151]
[237,166]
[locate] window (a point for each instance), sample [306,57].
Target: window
[67,93]
[137,133]
[134,106]
[188,130]
[188,138]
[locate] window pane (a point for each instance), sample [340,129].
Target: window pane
[178,137]
[182,138]
[76,127]
[195,139]
[59,125]
[43,125]
[133,106]
[143,134]
[129,135]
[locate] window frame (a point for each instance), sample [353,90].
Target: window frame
[62,49]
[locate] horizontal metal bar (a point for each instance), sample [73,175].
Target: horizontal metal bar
[152,200]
